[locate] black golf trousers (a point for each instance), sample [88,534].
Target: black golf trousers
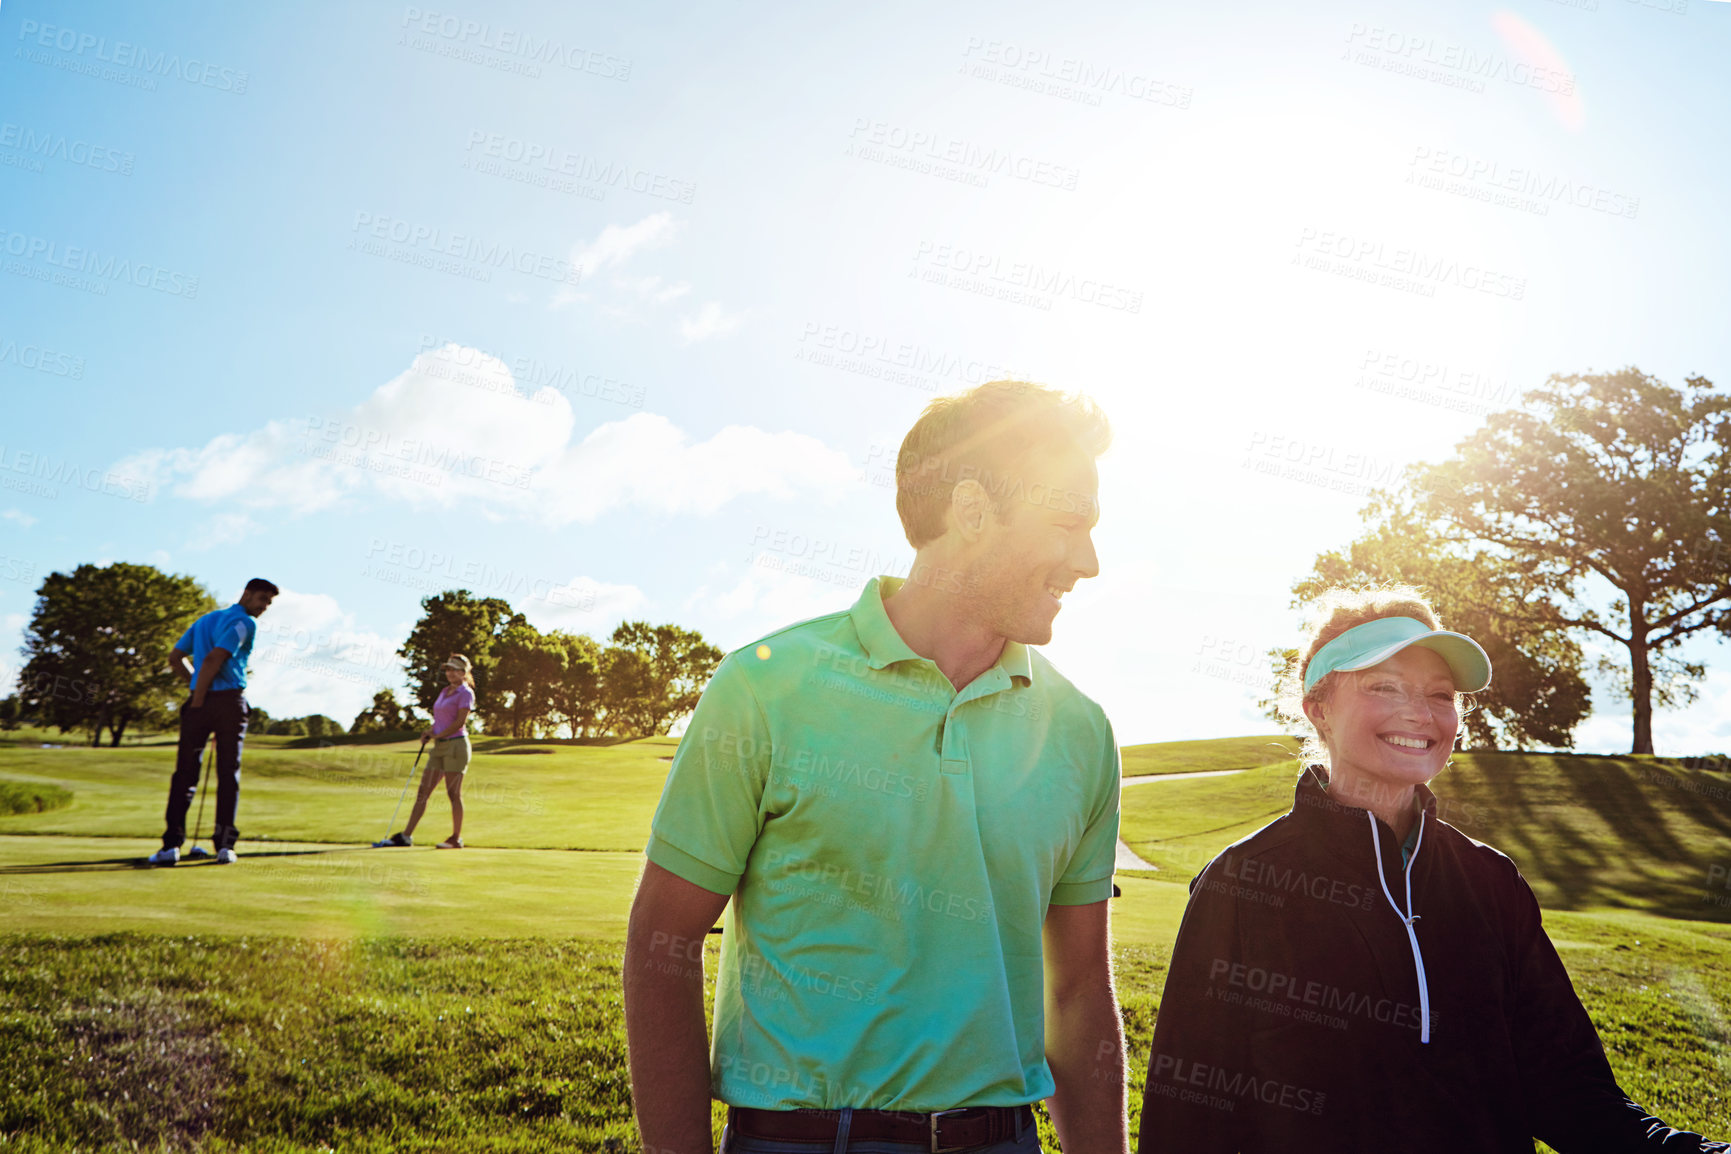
[224,714]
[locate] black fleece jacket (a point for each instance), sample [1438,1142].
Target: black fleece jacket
[1294,1015]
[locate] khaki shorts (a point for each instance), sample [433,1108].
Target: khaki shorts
[448,756]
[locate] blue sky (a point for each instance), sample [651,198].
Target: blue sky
[620,313]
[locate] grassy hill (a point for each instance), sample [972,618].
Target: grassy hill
[1588,832]
[1211,754]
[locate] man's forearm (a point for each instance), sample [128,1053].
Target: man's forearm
[667,1042]
[1085,1048]
[207,671]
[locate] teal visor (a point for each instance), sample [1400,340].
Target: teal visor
[1374,642]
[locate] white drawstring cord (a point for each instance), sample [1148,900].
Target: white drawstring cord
[1407,919]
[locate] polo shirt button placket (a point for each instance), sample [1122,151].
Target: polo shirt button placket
[955,751]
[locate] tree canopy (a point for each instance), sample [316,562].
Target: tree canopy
[97,647]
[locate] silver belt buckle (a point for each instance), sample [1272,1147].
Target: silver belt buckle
[934,1125]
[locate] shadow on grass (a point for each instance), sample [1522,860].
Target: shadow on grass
[1606,831]
[105,864]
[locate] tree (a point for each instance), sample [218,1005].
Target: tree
[454,622]
[318,725]
[576,695]
[526,668]
[1537,694]
[676,663]
[628,689]
[10,712]
[385,715]
[97,647]
[1610,495]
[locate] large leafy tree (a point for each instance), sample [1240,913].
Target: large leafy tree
[527,666]
[1537,694]
[1607,494]
[455,622]
[663,685]
[96,649]
[576,694]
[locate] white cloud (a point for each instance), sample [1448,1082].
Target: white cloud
[709,321]
[454,430]
[581,605]
[619,243]
[763,600]
[18,516]
[651,289]
[311,657]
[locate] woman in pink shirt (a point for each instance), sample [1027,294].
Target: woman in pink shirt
[451,752]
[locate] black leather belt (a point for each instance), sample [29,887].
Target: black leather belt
[943,1130]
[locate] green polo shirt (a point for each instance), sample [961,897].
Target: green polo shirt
[891,846]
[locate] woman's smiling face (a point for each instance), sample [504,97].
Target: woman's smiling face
[1392,726]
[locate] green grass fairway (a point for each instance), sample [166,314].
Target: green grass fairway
[1588,832]
[516,794]
[321,996]
[76,885]
[1214,754]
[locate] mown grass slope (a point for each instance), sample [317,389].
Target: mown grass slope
[1588,832]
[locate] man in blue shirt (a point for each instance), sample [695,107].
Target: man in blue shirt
[219,644]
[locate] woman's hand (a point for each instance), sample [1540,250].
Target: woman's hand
[427,736]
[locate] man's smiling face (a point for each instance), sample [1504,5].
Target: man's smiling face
[1036,547]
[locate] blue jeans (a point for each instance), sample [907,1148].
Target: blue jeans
[731,1143]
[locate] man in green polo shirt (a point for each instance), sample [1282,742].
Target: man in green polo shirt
[915,816]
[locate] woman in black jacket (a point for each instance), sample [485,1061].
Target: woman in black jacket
[1360,975]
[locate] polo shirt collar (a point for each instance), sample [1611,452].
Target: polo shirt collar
[884,646]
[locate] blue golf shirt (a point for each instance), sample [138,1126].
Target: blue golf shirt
[232,629]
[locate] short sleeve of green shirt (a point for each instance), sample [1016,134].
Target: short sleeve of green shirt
[1089,876]
[711,808]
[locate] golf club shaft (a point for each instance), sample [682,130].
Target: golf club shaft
[210,756]
[405,792]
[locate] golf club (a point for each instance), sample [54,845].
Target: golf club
[210,756]
[380,843]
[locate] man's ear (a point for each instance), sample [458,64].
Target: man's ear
[969,507]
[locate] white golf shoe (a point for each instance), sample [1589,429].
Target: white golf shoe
[226,856]
[167,855]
